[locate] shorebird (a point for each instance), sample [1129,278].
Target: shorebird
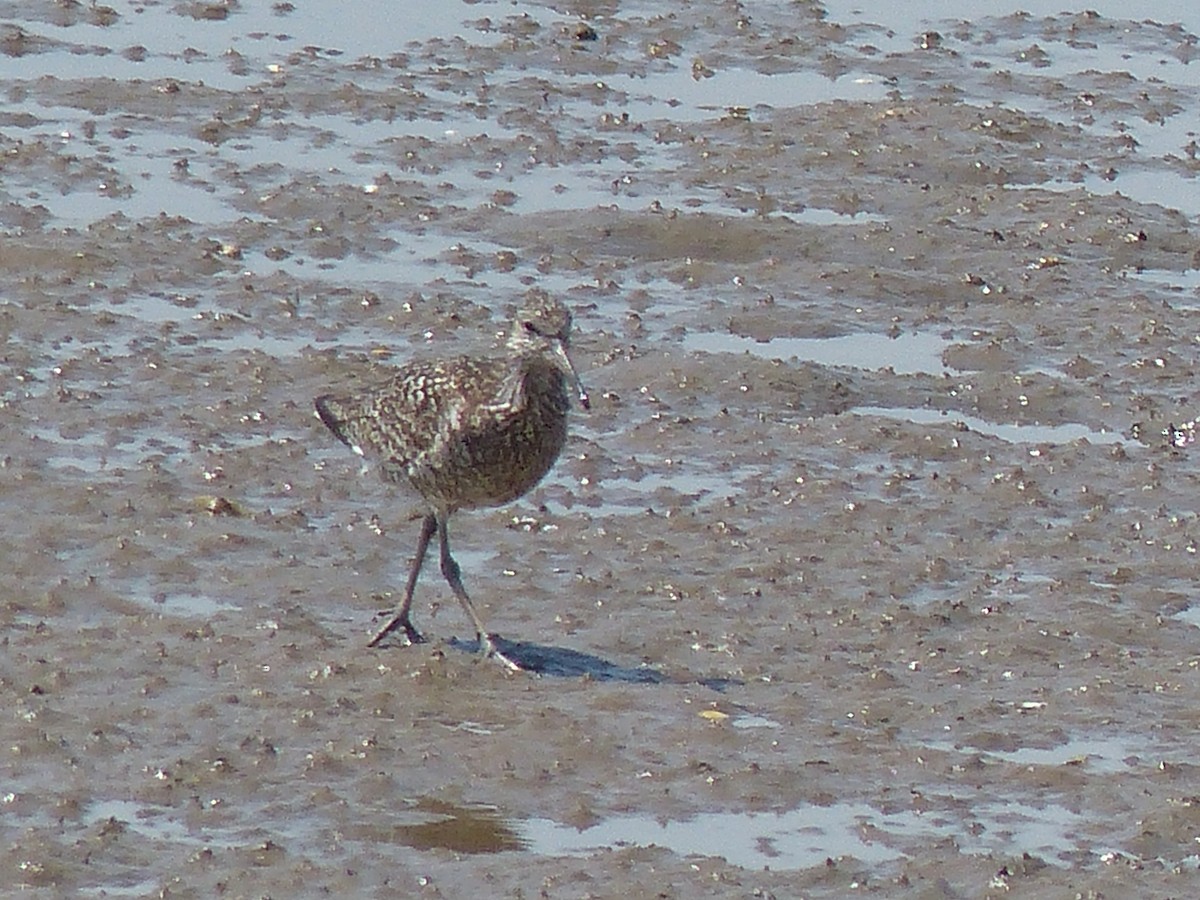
[465,433]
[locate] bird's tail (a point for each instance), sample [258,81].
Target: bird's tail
[330,412]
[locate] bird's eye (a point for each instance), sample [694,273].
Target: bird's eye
[530,327]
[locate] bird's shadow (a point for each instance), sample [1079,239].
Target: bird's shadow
[561,662]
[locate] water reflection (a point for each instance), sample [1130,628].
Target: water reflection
[445,826]
[807,837]
[1035,433]
[905,354]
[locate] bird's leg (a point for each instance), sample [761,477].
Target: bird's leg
[401,618]
[453,575]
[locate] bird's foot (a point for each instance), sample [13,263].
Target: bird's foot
[487,645]
[398,621]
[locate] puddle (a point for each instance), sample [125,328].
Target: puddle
[1056,54]
[657,489]
[754,721]
[146,159]
[438,825]
[1153,186]
[807,837]
[88,453]
[149,823]
[179,46]
[676,95]
[141,159]
[1107,755]
[901,18]
[94,452]
[795,840]
[425,824]
[1014,434]
[925,595]
[1185,286]
[1191,615]
[815,215]
[799,839]
[182,605]
[159,309]
[905,354]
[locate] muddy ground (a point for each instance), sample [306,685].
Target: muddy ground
[870,571]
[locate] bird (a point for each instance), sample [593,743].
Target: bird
[466,432]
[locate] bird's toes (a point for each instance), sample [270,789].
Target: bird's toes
[411,635]
[487,644]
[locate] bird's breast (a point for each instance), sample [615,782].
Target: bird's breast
[499,451]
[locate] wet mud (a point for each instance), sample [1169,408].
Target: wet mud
[870,570]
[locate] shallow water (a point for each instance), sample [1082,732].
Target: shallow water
[869,571]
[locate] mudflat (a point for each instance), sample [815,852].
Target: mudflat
[870,570]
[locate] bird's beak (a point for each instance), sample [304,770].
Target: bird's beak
[568,367]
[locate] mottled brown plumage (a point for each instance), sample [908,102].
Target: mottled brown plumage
[466,432]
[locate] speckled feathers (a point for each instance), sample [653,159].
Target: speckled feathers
[470,431]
